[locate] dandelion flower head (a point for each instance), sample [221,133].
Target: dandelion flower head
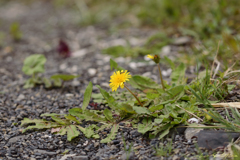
[155,58]
[151,57]
[118,78]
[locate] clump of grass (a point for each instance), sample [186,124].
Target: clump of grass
[164,150]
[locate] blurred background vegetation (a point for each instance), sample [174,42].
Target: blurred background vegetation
[207,22]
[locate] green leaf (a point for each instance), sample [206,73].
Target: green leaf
[34,64]
[59,120]
[108,114]
[72,132]
[170,62]
[110,100]
[127,108]
[47,82]
[152,95]
[111,135]
[145,126]
[87,96]
[29,83]
[114,65]
[63,131]
[89,132]
[51,114]
[178,74]
[75,111]
[176,92]
[156,108]
[39,124]
[64,77]
[72,118]
[164,133]
[145,82]
[57,82]
[115,51]
[141,110]
[87,115]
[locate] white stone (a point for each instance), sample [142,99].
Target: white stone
[63,66]
[193,120]
[133,65]
[92,71]
[167,72]
[79,53]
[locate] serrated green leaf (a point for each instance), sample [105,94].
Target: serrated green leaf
[87,96]
[87,115]
[108,114]
[111,135]
[63,131]
[127,108]
[34,64]
[145,126]
[59,120]
[29,121]
[64,77]
[72,132]
[75,111]
[110,100]
[89,131]
[72,118]
[91,116]
[145,82]
[39,124]
[141,110]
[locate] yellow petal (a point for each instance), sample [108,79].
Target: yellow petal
[151,57]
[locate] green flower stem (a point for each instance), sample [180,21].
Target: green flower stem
[134,96]
[160,74]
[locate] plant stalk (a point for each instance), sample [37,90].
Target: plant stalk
[134,96]
[160,74]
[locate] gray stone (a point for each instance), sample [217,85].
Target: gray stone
[44,152]
[20,97]
[15,139]
[80,158]
[191,132]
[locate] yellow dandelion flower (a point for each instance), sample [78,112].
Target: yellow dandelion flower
[118,78]
[151,57]
[155,58]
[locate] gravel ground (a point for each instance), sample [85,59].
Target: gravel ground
[42,27]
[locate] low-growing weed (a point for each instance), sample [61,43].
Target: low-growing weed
[33,65]
[164,150]
[149,107]
[15,31]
